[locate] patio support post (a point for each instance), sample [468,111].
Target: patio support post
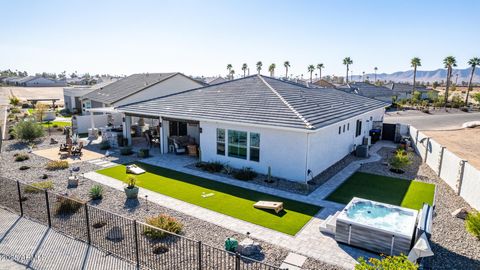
[162,145]
[460,176]
[426,148]
[127,129]
[92,122]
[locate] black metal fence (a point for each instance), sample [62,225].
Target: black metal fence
[127,238]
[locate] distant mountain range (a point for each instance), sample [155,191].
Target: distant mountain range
[425,76]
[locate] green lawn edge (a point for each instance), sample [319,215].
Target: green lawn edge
[230,200]
[406,193]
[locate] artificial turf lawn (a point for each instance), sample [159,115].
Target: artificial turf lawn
[405,193]
[229,200]
[58,123]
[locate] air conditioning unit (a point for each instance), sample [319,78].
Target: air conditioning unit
[367,140]
[362,151]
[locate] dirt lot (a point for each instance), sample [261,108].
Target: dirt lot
[24,93]
[465,143]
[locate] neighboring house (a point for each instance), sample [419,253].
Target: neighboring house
[261,122]
[404,90]
[214,80]
[78,81]
[35,81]
[323,83]
[72,95]
[138,87]
[368,90]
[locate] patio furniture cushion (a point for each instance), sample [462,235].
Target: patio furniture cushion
[277,206]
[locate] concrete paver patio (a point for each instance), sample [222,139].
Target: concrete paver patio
[309,241]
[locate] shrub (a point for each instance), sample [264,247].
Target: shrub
[56,165]
[105,145]
[163,222]
[125,151]
[96,192]
[131,180]
[15,110]
[400,160]
[28,131]
[245,174]
[38,186]
[472,224]
[386,262]
[23,168]
[14,100]
[214,166]
[21,157]
[66,206]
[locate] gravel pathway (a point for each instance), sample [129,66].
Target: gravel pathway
[453,246]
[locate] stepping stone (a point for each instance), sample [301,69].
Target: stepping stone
[294,261]
[289,267]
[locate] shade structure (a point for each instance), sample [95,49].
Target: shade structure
[420,249]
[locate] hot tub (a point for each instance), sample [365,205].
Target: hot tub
[378,227]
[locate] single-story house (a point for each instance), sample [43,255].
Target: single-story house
[72,95]
[261,122]
[138,87]
[214,80]
[368,90]
[404,90]
[39,81]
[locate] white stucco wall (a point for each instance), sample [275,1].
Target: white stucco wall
[471,186]
[172,85]
[326,147]
[284,151]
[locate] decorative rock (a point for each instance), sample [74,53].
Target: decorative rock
[248,247]
[460,213]
[115,234]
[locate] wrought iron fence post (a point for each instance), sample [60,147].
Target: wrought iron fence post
[199,255]
[237,261]
[48,209]
[20,198]
[87,220]
[136,244]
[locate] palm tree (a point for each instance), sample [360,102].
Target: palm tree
[375,68]
[232,72]
[449,63]
[259,66]
[473,63]
[311,69]
[415,62]
[229,68]
[244,68]
[347,62]
[363,75]
[271,69]
[319,67]
[286,64]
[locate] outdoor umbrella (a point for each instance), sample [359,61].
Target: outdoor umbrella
[420,249]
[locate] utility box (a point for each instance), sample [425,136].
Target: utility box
[362,151]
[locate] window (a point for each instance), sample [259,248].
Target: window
[254,146]
[237,144]
[339,129]
[348,126]
[178,128]
[221,141]
[343,128]
[358,131]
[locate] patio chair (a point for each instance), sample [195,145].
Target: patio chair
[151,141]
[179,150]
[77,151]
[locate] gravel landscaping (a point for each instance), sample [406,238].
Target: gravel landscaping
[113,200]
[453,246]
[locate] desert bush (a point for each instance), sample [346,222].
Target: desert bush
[472,224]
[38,186]
[245,174]
[214,166]
[125,151]
[96,192]
[15,110]
[21,157]
[386,262]
[14,100]
[28,131]
[163,222]
[66,206]
[131,180]
[105,145]
[56,165]
[400,160]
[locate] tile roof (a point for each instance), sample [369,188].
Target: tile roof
[127,86]
[405,88]
[259,100]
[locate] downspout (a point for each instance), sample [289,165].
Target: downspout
[306,158]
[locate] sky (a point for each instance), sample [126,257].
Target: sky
[202,37]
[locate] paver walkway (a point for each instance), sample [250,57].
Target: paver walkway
[25,244]
[309,241]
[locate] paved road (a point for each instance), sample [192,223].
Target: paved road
[436,121]
[32,245]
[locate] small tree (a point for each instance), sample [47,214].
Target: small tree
[400,160]
[40,111]
[472,224]
[28,131]
[476,97]
[14,101]
[386,262]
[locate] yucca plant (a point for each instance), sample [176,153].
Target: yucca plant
[472,224]
[400,160]
[96,192]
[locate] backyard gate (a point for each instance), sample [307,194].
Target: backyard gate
[388,132]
